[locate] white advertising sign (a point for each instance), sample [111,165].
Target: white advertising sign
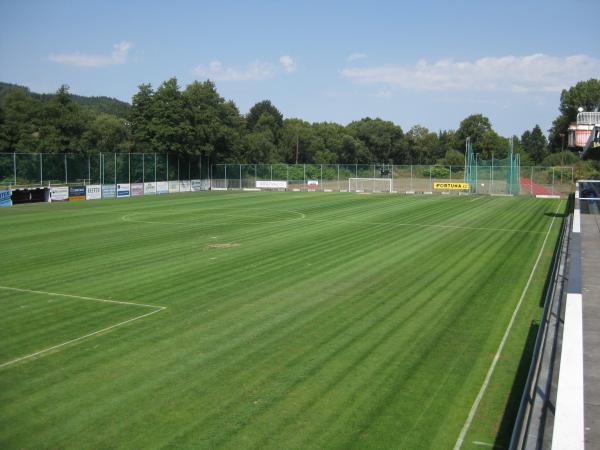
[109,191]
[273,184]
[173,186]
[123,190]
[200,185]
[93,192]
[185,186]
[150,188]
[59,194]
[162,187]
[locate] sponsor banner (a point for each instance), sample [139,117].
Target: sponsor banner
[109,191]
[452,186]
[150,188]
[200,185]
[123,190]
[313,183]
[59,194]
[93,192]
[273,184]
[162,187]
[5,198]
[137,188]
[76,193]
[173,186]
[185,186]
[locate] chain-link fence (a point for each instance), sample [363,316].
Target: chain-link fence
[43,169]
[46,169]
[490,180]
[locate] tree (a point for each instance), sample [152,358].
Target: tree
[169,127]
[260,108]
[106,133]
[383,139]
[140,118]
[63,124]
[216,125]
[476,126]
[585,94]
[420,146]
[535,144]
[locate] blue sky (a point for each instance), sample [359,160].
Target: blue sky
[428,62]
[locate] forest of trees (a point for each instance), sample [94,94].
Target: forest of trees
[197,120]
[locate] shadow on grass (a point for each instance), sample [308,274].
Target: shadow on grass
[552,214]
[514,399]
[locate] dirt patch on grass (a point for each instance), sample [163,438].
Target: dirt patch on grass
[224,245]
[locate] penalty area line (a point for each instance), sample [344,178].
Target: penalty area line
[490,372]
[156,308]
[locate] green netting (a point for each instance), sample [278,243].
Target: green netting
[494,175]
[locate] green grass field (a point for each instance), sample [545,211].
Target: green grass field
[290,320]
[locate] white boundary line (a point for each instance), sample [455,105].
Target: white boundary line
[569,420]
[157,308]
[490,372]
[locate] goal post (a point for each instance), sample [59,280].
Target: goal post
[370,185]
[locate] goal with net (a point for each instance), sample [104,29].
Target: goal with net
[370,185]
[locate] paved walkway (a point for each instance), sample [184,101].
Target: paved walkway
[590,284]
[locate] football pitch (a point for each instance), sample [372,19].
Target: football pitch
[269,320]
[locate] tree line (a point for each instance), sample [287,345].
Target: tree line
[197,120]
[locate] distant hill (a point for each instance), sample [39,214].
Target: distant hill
[103,104]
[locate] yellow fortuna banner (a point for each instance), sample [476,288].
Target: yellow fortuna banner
[453,186]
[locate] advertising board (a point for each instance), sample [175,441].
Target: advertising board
[93,192]
[271,184]
[5,198]
[76,193]
[123,190]
[150,188]
[173,186]
[452,186]
[109,191]
[185,186]
[137,189]
[162,187]
[59,194]
[200,185]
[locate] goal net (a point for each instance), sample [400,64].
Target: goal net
[370,184]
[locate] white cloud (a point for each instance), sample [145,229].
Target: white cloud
[216,71]
[533,73]
[288,63]
[256,71]
[118,56]
[356,56]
